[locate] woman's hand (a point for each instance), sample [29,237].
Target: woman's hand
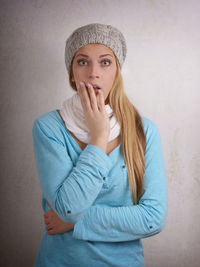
[54,225]
[96,117]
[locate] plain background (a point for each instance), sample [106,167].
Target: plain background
[161,76]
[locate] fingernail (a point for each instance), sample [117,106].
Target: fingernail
[89,85]
[81,83]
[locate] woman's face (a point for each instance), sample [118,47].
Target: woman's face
[95,64]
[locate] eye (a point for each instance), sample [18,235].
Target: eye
[80,62]
[106,61]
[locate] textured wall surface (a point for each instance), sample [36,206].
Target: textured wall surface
[161,77]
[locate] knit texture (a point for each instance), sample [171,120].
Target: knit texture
[73,116]
[94,187]
[96,33]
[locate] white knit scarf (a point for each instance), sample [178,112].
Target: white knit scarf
[73,116]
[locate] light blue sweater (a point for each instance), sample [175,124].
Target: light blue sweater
[90,189]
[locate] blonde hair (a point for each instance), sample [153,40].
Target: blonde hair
[133,138]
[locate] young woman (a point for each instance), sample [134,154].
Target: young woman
[100,163]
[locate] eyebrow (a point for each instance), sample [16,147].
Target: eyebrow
[88,56]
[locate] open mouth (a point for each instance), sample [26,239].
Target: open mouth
[96,88]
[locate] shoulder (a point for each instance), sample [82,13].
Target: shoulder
[149,125]
[150,128]
[153,139]
[47,117]
[47,120]
[48,124]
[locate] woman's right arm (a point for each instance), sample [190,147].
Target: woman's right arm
[70,190]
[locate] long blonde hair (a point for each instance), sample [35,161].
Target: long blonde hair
[133,138]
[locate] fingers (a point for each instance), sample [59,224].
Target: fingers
[83,94]
[49,227]
[92,96]
[51,232]
[101,104]
[98,100]
[47,221]
[88,97]
[48,216]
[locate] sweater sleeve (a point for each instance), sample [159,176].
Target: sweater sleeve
[69,189]
[124,223]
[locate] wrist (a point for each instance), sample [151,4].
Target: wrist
[101,143]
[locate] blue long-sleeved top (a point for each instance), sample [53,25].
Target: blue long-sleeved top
[90,189]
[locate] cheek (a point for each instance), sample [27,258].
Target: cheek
[78,75]
[112,76]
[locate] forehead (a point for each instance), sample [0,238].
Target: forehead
[97,49]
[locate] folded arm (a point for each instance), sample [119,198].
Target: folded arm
[70,190]
[115,224]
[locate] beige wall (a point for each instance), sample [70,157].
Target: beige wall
[161,77]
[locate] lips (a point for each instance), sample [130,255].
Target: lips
[96,86]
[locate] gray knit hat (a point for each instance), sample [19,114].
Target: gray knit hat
[96,33]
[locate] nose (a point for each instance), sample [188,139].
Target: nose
[94,71]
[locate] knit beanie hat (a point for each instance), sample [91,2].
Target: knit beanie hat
[96,33]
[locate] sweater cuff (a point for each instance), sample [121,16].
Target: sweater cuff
[95,156]
[79,231]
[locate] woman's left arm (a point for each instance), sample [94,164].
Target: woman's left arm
[147,218]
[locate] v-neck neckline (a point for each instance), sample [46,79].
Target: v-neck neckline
[75,142]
